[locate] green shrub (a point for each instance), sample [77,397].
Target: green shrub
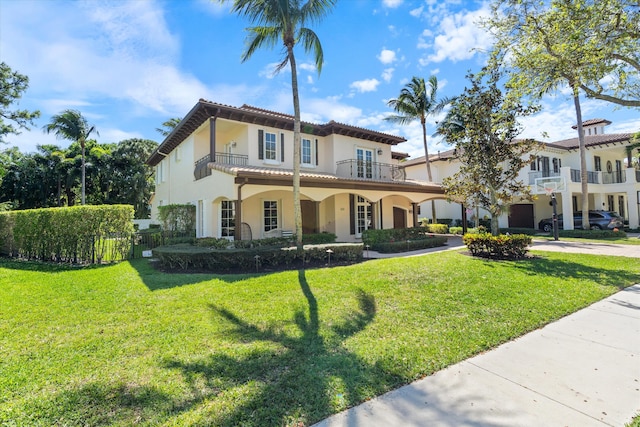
[458,230]
[84,234]
[180,218]
[518,230]
[188,256]
[438,228]
[410,245]
[501,247]
[591,234]
[213,242]
[373,237]
[318,239]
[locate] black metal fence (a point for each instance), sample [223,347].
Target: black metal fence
[146,240]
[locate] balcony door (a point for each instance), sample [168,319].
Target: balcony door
[364,158]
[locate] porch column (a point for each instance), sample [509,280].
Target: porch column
[374,216]
[414,212]
[567,210]
[212,139]
[237,221]
[633,206]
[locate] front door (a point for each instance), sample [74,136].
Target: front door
[399,218]
[309,216]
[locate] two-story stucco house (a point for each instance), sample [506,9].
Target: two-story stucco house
[614,183]
[235,165]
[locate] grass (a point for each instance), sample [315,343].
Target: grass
[614,240]
[127,345]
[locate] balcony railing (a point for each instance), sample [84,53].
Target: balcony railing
[617,177]
[353,168]
[592,177]
[202,171]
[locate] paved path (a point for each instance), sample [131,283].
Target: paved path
[582,370]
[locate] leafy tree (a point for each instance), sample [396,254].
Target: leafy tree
[416,102]
[544,48]
[12,85]
[486,146]
[169,126]
[284,21]
[71,125]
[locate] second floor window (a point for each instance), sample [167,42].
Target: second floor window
[270,146]
[597,163]
[306,152]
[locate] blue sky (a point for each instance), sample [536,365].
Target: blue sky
[129,65]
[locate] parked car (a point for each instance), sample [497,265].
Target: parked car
[598,220]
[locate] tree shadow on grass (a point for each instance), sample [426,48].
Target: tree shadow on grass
[540,265]
[46,267]
[294,378]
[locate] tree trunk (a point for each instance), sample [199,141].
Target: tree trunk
[83,175]
[428,163]
[297,210]
[584,185]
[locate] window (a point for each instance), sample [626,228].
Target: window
[270,146]
[363,215]
[534,164]
[270,214]
[597,163]
[306,152]
[574,200]
[557,164]
[364,158]
[227,218]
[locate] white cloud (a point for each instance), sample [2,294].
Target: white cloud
[307,66]
[369,85]
[323,110]
[387,56]
[435,71]
[458,36]
[392,3]
[416,12]
[215,8]
[387,74]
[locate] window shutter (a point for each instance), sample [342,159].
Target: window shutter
[352,219]
[282,147]
[316,152]
[260,144]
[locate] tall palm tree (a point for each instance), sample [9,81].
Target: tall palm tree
[417,102]
[284,21]
[71,125]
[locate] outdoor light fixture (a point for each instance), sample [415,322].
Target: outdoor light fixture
[379,151]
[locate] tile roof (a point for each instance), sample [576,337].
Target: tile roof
[592,122]
[592,140]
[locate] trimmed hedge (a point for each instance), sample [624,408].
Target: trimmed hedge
[373,237]
[82,234]
[181,218]
[519,230]
[501,247]
[437,228]
[410,245]
[591,234]
[222,260]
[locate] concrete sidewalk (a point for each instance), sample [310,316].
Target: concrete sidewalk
[582,370]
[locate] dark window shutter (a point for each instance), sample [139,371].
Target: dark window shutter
[282,147]
[352,217]
[316,152]
[260,144]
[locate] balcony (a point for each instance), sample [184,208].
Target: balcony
[617,177]
[353,168]
[202,171]
[592,177]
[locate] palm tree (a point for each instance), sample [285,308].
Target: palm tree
[169,126]
[417,102]
[71,125]
[284,20]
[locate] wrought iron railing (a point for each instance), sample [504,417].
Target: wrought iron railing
[354,168]
[201,170]
[617,177]
[592,177]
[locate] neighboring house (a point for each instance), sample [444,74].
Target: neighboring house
[235,165]
[614,183]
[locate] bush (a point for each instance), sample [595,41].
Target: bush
[84,234]
[437,228]
[458,230]
[591,234]
[518,230]
[222,260]
[410,245]
[318,239]
[180,218]
[501,247]
[373,237]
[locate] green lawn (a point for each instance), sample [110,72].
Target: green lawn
[127,345]
[614,240]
